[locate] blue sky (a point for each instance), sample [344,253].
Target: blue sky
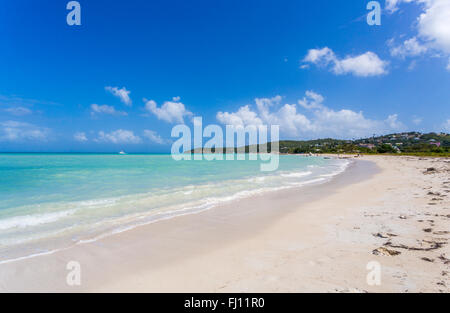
[134,69]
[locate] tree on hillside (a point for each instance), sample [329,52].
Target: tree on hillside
[385,148]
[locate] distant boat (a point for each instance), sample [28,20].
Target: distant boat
[122,152]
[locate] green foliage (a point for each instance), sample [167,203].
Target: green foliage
[385,148]
[412,143]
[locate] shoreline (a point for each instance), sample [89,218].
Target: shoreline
[187,209]
[278,242]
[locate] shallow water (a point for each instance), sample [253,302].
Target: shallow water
[53,201]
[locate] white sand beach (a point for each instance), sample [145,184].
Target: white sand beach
[314,239]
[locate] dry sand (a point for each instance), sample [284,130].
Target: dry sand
[317,239]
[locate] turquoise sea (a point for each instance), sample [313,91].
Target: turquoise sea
[53,201]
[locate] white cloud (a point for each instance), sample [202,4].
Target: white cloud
[317,121]
[417,120]
[433,24]
[312,100]
[446,126]
[315,56]
[80,136]
[170,111]
[412,65]
[105,109]
[18,111]
[448,65]
[153,136]
[286,116]
[290,121]
[123,94]
[19,131]
[364,65]
[394,123]
[410,47]
[392,5]
[15,101]
[243,117]
[119,136]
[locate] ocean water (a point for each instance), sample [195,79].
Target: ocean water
[53,201]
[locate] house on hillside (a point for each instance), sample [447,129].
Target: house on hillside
[367,145]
